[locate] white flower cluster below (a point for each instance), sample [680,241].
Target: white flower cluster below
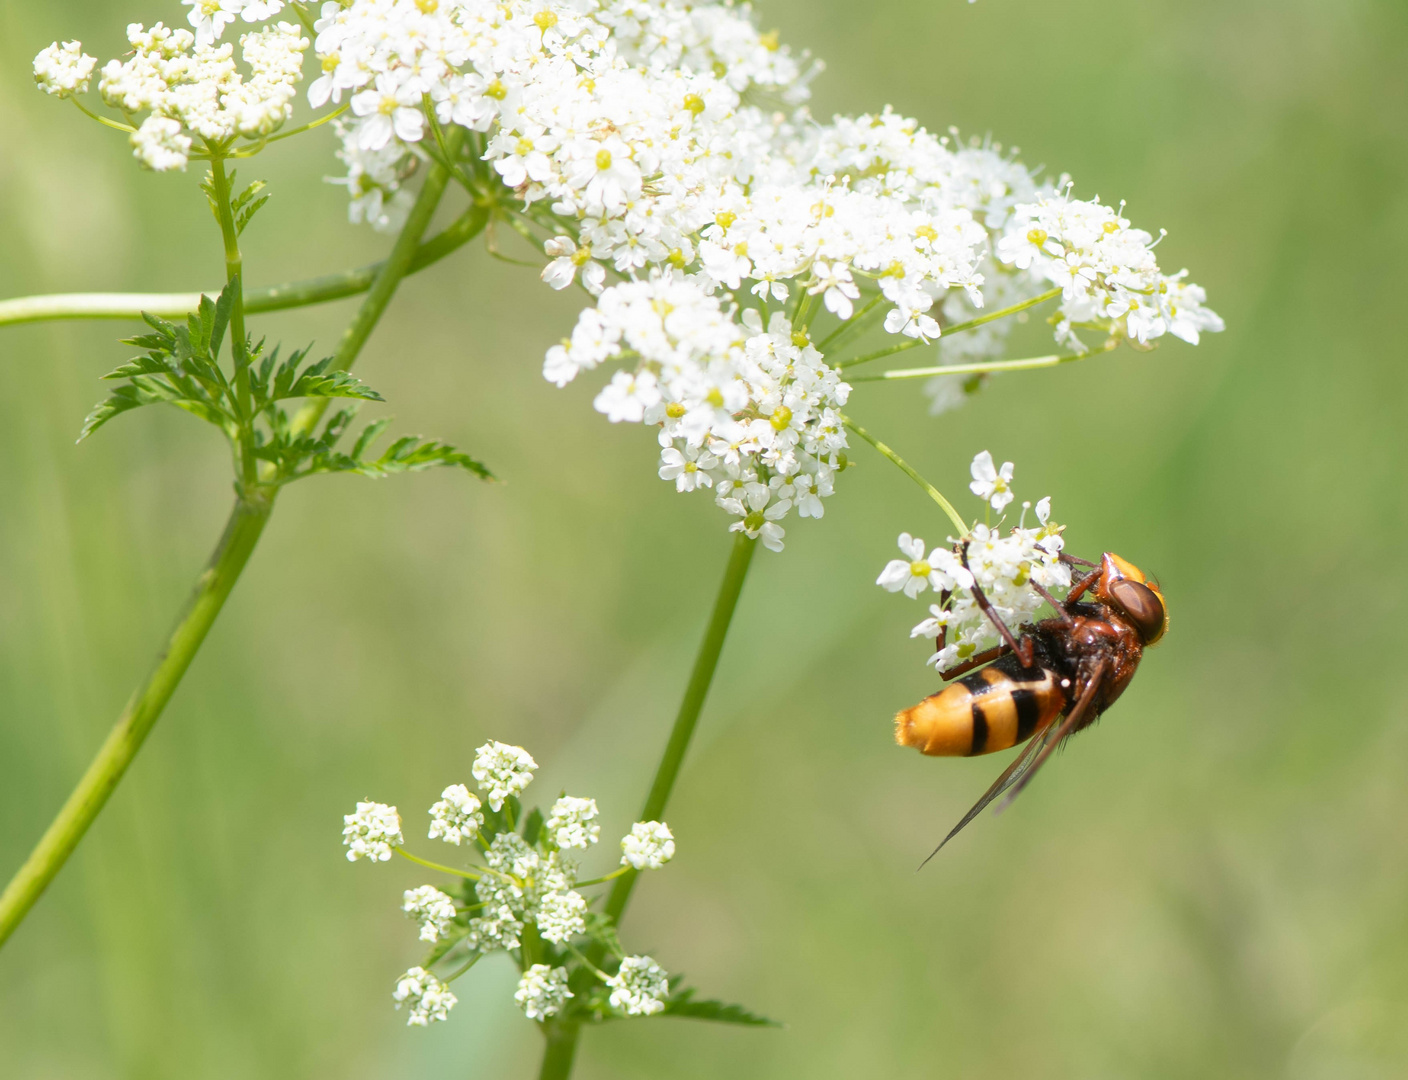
[1004,567]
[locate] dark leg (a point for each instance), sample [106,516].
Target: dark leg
[1060,608]
[1022,648]
[1087,695]
[1078,589]
[942,639]
[984,657]
[1071,560]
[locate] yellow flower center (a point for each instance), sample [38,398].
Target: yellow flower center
[781,417]
[1037,237]
[694,103]
[545,20]
[603,159]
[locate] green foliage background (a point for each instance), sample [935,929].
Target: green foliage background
[1212,884]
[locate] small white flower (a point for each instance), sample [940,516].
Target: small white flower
[64,69]
[572,823]
[160,145]
[561,916]
[939,570]
[432,909]
[429,999]
[639,987]
[542,991]
[456,817]
[372,832]
[210,17]
[648,846]
[989,483]
[502,770]
[627,396]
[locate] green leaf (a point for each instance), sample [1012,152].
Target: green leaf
[140,391]
[223,307]
[369,435]
[247,203]
[683,1004]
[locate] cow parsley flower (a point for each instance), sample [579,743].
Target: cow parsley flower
[640,987]
[572,823]
[64,70]
[426,996]
[542,991]
[648,846]
[1006,567]
[372,832]
[456,818]
[991,484]
[432,909]
[561,916]
[940,570]
[502,770]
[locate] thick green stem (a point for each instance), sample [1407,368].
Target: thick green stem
[239,341]
[905,467]
[705,662]
[562,1037]
[560,1050]
[241,534]
[252,509]
[396,267]
[316,290]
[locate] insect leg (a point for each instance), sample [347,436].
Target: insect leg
[1022,648]
[984,657]
[1078,589]
[1073,560]
[942,639]
[1060,608]
[1087,695]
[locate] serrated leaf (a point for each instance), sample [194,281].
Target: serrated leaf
[151,364]
[224,305]
[684,1005]
[244,216]
[369,435]
[134,395]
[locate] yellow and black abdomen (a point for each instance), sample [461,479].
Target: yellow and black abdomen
[986,711]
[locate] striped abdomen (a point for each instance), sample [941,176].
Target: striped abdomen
[989,710]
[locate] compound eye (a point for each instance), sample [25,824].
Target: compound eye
[1142,606]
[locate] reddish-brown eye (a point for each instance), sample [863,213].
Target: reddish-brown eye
[1142,606]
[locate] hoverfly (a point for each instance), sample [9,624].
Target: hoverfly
[1074,665]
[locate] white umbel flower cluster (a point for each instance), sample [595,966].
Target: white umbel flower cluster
[1106,270]
[431,908]
[372,832]
[456,818]
[542,991]
[427,998]
[572,823]
[191,89]
[522,886]
[644,138]
[648,846]
[1004,568]
[62,70]
[502,770]
[640,987]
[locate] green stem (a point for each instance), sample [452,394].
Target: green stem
[63,835]
[239,342]
[396,266]
[1030,363]
[562,1036]
[436,866]
[316,290]
[932,491]
[560,1050]
[956,328]
[252,509]
[705,662]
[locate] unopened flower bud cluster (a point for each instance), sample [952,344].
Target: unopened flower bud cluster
[520,884]
[1003,567]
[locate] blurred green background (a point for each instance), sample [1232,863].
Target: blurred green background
[1212,884]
